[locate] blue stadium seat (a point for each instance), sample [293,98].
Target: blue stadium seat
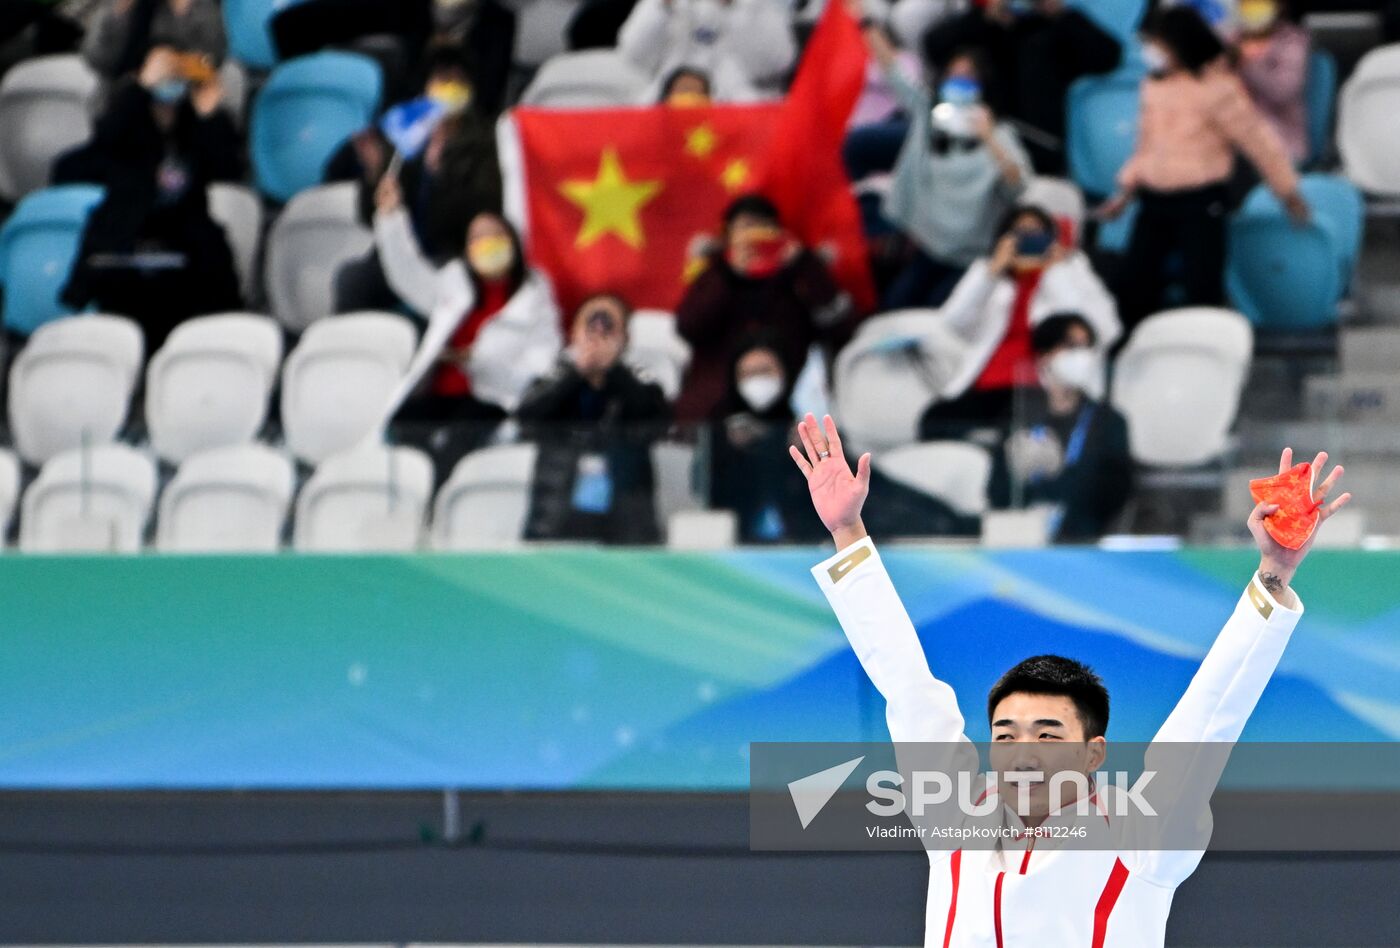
[1287,277]
[246,23]
[1102,125]
[1120,18]
[307,110]
[1320,98]
[38,245]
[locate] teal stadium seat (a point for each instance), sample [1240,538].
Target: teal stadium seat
[246,24]
[1120,18]
[38,245]
[1102,125]
[310,106]
[1290,278]
[1320,98]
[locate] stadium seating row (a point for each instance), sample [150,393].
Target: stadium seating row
[210,385]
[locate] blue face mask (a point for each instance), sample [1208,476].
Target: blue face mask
[1033,243]
[170,91]
[960,90]
[1020,7]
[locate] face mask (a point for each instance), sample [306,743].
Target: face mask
[960,90]
[1020,7]
[1080,368]
[760,391]
[766,247]
[1155,59]
[491,256]
[1033,243]
[452,96]
[1256,16]
[954,121]
[170,91]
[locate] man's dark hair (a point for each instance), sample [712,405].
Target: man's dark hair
[1056,675]
[1051,332]
[1182,30]
[754,205]
[682,72]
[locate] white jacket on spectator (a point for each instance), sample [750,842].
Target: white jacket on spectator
[514,347]
[740,44]
[979,310]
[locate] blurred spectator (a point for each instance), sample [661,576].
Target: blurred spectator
[1273,63]
[1034,49]
[958,173]
[686,87]
[741,44]
[454,177]
[150,250]
[595,420]
[123,35]
[482,32]
[749,468]
[880,103]
[506,321]
[759,278]
[1069,447]
[42,27]
[393,33]
[995,308]
[1195,115]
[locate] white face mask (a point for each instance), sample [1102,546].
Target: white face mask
[1078,368]
[760,391]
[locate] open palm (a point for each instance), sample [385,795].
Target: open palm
[1275,552]
[837,493]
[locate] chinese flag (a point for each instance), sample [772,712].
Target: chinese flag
[614,199]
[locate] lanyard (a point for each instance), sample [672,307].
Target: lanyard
[1077,437]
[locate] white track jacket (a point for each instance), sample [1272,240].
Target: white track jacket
[1031,893]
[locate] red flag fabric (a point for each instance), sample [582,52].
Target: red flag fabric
[615,199]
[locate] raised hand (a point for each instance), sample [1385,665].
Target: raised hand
[837,493]
[1278,563]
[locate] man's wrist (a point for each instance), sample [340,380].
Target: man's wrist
[1275,578]
[844,536]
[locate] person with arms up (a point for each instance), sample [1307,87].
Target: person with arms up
[744,45]
[1012,892]
[1195,116]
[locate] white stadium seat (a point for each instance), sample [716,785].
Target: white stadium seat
[1178,384]
[1060,196]
[539,29]
[673,464]
[891,371]
[9,490]
[317,233]
[338,381]
[238,210]
[954,472]
[589,79]
[484,503]
[227,500]
[1366,122]
[208,386]
[374,498]
[72,384]
[45,109]
[89,500]
[654,346]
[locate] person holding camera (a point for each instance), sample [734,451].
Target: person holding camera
[1031,275]
[959,170]
[594,419]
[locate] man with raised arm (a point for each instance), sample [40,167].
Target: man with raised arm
[1053,711]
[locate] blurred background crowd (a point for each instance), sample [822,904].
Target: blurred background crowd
[1118,251]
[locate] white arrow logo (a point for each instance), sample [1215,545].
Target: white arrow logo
[813,792]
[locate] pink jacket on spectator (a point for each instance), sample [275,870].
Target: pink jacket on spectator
[1190,128]
[1275,77]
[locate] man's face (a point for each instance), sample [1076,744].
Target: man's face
[1042,733]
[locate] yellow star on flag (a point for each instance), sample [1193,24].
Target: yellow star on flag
[611,203]
[701,140]
[735,174]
